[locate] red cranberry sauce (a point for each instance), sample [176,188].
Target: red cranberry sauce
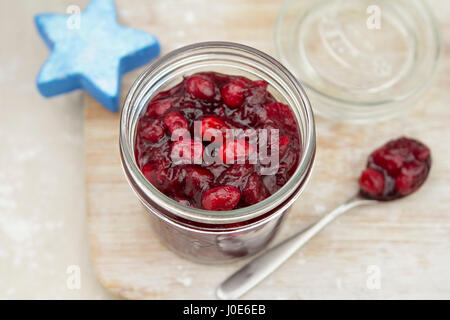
[395,170]
[220,102]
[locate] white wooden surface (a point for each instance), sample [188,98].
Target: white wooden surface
[43,227]
[407,241]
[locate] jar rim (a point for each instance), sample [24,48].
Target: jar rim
[144,189]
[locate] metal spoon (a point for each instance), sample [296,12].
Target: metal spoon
[263,265]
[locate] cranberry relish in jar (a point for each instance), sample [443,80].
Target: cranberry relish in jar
[230,118]
[177,216]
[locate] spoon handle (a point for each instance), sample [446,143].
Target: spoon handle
[263,265]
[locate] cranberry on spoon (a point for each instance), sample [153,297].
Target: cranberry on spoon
[393,171]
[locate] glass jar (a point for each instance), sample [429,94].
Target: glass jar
[359,60]
[216,236]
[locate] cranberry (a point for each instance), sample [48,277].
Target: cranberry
[170,179]
[209,124]
[236,175]
[165,179]
[254,191]
[388,161]
[151,129]
[197,180]
[148,171]
[258,94]
[159,107]
[221,198]
[174,163]
[233,93]
[176,123]
[200,87]
[372,182]
[236,150]
[421,153]
[283,146]
[396,169]
[186,151]
[410,177]
[281,114]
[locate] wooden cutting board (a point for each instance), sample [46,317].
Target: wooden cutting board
[406,244]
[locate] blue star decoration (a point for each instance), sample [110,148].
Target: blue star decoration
[91,54]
